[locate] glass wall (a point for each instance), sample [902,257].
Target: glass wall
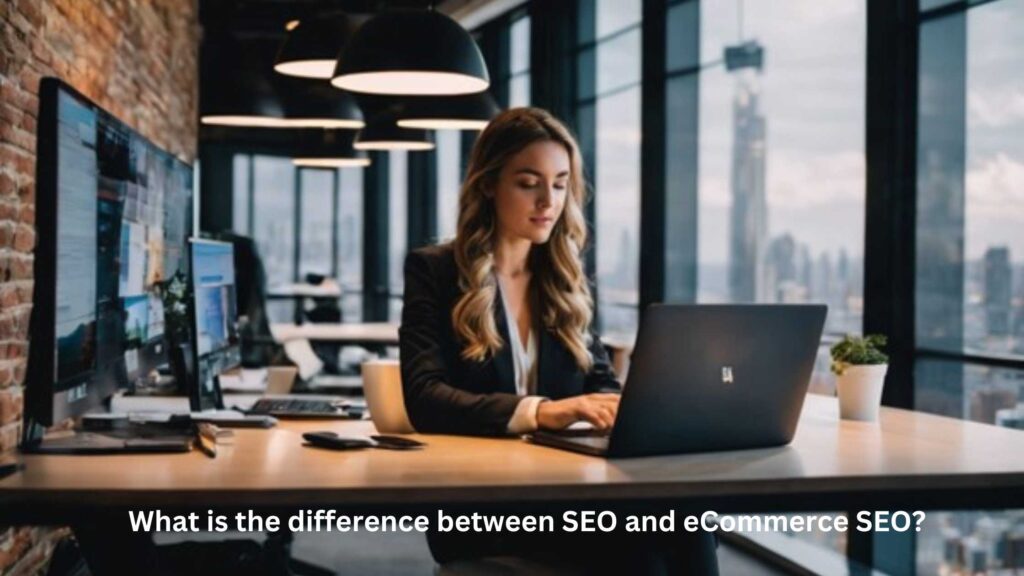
[316,233]
[241,214]
[273,226]
[350,243]
[608,110]
[970,254]
[781,176]
[519,62]
[328,206]
[398,232]
[449,180]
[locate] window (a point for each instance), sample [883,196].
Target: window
[350,243]
[328,240]
[765,114]
[449,180]
[970,251]
[781,176]
[316,235]
[241,213]
[273,226]
[398,194]
[608,110]
[519,62]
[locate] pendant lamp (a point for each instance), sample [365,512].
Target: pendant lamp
[409,53]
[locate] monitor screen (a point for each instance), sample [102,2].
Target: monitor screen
[113,216]
[214,311]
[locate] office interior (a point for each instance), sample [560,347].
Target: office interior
[864,154]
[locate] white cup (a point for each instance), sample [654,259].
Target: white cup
[860,391]
[382,385]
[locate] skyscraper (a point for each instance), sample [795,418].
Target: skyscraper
[749,213]
[997,291]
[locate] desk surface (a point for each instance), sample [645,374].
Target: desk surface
[368,332]
[908,452]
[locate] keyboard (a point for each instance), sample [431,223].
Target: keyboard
[302,408]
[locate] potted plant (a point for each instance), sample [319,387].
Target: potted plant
[176,295]
[860,366]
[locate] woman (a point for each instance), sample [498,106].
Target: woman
[496,331]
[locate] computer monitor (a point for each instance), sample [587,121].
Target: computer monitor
[214,312]
[113,213]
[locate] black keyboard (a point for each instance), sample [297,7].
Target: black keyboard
[300,408]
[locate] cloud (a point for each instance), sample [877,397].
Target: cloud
[995,187]
[988,107]
[796,180]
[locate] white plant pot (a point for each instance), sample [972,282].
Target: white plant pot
[860,391]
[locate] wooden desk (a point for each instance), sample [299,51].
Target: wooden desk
[357,334]
[910,461]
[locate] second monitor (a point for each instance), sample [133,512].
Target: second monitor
[215,313]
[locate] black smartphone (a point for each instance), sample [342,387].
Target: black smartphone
[334,442]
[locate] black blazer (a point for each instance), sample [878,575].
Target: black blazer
[447,394]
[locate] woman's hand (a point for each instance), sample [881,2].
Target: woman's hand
[598,409]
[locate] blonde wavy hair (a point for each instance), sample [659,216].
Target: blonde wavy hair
[558,286]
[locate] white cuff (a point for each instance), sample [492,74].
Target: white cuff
[524,419]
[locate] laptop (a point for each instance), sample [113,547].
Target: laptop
[707,378]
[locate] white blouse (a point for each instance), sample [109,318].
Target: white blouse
[524,362]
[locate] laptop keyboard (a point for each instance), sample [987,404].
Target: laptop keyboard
[295,406]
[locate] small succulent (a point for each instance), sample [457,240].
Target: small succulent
[857,351]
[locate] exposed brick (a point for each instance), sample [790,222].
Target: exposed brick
[9,436]
[22,319]
[139,60]
[19,370]
[8,296]
[8,187]
[6,234]
[12,402]
[20,267]
[27,214]
[25,292]
[7,323]
[25,238]
[14,546]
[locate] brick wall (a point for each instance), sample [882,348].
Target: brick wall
[136,58]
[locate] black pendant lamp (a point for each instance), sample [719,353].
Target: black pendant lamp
[311,47]
[409,53]
[383,133]
[464,112]
[314,104]
[236,94]
[333,150]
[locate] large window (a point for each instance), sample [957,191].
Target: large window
[449,180]
[519,62]
[781,157]
[350,243]
[765,114]
[270,196]
[970,251]
[398,218]
[608,118]
[316,233]
[273,226]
